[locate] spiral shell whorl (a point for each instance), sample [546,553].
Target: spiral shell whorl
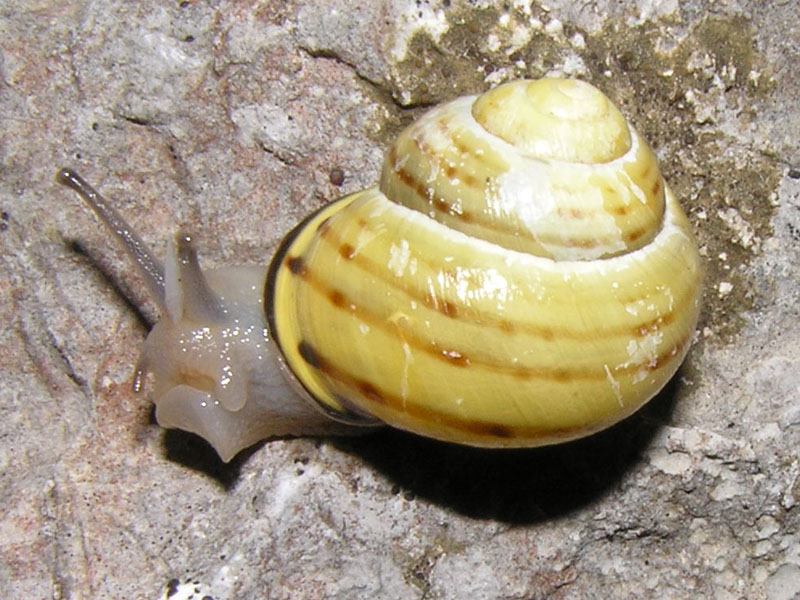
[558,119]
[487,324]
[546,167]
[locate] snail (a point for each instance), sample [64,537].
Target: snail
[521,276]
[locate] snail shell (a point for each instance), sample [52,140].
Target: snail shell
[522,276]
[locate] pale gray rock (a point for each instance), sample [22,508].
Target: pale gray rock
[228,120]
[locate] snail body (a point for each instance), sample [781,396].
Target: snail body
[521,276]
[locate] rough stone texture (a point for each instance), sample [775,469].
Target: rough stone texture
[228,120]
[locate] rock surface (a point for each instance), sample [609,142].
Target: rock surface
[234,121]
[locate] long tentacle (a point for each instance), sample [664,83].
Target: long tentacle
[149,266]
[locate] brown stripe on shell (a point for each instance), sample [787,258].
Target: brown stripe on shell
[338,299]
[459,358]
[656,189]
[621,210]
[447,308]
[617,210]
[636,234]
[346,251]
[573,213]
[508,328]
[406,177]
[427,414]
[436,158]
[494,430]
[442,206]
[322,227]
[370,391]
[426,192]
[455,141]
[468,314]
[310,355]
[424,413]
[654,325]
[296,265]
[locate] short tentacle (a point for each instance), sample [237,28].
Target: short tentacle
[187,292]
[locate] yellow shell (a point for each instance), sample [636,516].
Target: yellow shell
[522,276]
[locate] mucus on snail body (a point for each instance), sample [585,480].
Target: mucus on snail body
[521,276]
